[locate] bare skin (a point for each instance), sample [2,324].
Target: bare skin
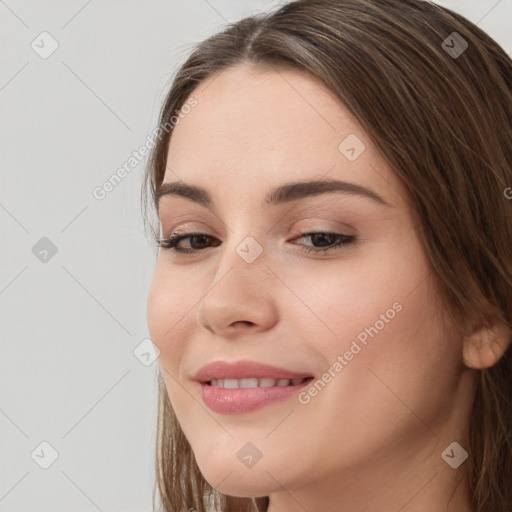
[372,438]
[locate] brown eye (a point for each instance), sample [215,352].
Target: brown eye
[323,242]
[196,242]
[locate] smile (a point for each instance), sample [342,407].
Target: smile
[255,382]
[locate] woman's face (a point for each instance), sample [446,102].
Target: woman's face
[362,319]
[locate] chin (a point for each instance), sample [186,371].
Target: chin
[242,483]
[233,472]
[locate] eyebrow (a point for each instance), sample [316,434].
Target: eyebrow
[282,194]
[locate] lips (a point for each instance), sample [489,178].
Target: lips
[245,370]
[245,386]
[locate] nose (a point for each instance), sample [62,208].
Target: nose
[239,299]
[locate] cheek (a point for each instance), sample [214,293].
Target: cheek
[394,349]
[381,315]
[168,308]
[344,299]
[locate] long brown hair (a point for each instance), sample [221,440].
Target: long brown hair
[443,121]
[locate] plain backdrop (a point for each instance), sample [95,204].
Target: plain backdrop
[81,83]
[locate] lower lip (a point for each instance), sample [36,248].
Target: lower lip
[239,400]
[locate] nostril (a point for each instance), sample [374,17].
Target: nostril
[245,322]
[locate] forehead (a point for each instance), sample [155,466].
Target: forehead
[249,109]
[255,125]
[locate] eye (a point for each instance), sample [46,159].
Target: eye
[327,241]
[196,242]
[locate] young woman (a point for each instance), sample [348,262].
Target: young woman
[332,297]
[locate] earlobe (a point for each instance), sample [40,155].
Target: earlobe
[486,345]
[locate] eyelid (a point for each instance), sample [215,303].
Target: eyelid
[319,225]
[313,219]
[187,226]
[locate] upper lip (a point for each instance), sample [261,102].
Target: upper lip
[244,370]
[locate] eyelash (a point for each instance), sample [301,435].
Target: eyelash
[171,242]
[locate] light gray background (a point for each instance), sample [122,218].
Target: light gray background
[70,324]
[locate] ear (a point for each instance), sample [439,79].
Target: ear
[486,345]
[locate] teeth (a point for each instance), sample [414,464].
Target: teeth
[230,383]
[248,383]
[267,382]
[254,382]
